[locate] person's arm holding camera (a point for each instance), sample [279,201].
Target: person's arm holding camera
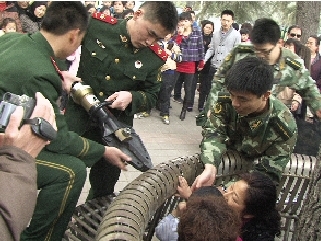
[18,174]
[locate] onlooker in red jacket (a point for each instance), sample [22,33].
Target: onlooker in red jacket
[190,41]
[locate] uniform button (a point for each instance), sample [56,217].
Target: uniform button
[107,77]
[101,93]
[134,77]
[116,61]
[126,45]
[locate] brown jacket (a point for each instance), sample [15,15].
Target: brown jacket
[18,178]
[288,95]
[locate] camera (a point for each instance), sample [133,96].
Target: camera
[9,104]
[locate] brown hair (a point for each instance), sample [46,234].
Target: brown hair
[301,50]
[208,218]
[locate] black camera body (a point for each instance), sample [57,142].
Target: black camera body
[9,104]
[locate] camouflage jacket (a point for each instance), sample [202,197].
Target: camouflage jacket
[288,72]
[267,140]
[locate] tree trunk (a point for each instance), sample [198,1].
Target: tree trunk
[309,223]
[308,18]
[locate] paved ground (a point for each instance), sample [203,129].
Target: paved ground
[163,142]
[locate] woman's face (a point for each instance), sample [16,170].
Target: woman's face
[208,29]
[235,195]
[186,23]
[40,11]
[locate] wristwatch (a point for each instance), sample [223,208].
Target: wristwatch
[42,128]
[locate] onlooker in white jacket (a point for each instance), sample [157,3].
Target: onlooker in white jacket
[222,41]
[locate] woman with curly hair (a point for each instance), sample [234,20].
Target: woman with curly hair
[254,197]
[208,218]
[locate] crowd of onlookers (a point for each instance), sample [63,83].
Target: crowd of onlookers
[116,9]
[20,16]
[26,16]
[205,51]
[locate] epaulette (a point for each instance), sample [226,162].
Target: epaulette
[159,51]
[293,63]
[105,18]
[245,48]
[220,106]
[223,97]
[281,128]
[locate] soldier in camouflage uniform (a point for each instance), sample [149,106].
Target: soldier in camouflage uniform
[250,120]
[289,68]
[289,72]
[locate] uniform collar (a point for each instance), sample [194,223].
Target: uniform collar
[256,123]
[281,64]
[40,39]
[124,36]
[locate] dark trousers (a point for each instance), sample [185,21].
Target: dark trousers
[187,79]
[103,175]
[205,86]
[60,180]
[168,81]
[194,85]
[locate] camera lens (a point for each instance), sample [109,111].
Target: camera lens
[7,96]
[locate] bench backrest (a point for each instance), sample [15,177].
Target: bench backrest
[136,211]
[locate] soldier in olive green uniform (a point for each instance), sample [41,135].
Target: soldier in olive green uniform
[250,120]
[28,66]
[120,61]
[288,68]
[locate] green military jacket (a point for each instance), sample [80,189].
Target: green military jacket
[27,68]
[109,63]
[288,72]
[269,138]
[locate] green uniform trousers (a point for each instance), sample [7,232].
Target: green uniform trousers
[60,181]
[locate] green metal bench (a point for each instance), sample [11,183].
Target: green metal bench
[136,211]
